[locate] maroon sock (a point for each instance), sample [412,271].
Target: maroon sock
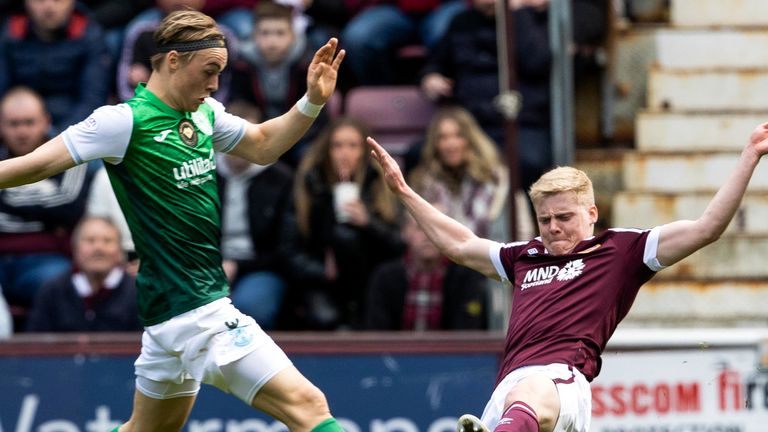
[519,417]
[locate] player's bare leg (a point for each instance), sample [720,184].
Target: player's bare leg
[533,404]
[295,401]
[158,415]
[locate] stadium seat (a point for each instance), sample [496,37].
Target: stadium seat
[397,115]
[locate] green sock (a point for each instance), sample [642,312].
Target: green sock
[117,429]
[328,425]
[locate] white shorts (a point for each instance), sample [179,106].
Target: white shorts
[215,344]
[572,388]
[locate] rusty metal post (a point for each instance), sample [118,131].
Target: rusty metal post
[561,81]
[508,102]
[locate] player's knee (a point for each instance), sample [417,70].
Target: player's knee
[309,407]
[540,393]
[313,400]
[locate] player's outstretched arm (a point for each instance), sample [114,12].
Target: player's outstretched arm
[265,142]
[49,159]
[682,238]
[454,240]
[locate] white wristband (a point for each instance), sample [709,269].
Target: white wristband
[308,108]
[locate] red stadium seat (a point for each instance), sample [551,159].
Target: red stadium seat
[397,115]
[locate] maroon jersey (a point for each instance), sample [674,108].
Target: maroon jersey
[565,308]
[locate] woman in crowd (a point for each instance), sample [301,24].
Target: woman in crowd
[347,224]
[461,172]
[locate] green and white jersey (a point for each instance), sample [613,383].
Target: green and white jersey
[161,164]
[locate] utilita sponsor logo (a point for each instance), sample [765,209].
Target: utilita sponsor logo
[194,172]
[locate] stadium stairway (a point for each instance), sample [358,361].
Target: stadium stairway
[705,90]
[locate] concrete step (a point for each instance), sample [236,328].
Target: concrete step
[632,56]
[699,172]
[708,49]
[731,257]
[699,304]
[646,210]
[707,90]
[675,132]
[694,13]
[603,166]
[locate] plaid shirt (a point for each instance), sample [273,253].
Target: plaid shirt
[424,297]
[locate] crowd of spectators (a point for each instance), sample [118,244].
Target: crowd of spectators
[297,257]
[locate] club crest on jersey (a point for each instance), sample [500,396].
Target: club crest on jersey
[546,274]
[187,133]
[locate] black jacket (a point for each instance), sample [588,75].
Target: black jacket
[59,308]
[269,197]
[467,54]
[465,304]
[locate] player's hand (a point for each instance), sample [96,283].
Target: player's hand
[323,72]
[758,141]
[393,176]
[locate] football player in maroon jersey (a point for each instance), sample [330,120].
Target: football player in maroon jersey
[571,288]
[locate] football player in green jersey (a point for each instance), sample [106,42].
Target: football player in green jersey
[159,151]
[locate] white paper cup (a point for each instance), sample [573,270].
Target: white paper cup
[343,193]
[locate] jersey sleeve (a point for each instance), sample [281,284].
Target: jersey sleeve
[228,129]
[651,250]
[105,134]
[640,244]
[502,258]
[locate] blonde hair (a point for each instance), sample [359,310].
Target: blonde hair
[184,26]
[564,179]
[483,163]
[318,159]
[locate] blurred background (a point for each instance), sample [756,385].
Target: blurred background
[654,99]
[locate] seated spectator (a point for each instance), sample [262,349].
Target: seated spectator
[460,171]
[112,16]
[59,51]
[373,35]
[254,203]
[135,64]
[272,71]
[238,16]
[462,68]
[423,290]
[35,219]
[343,237]
[98,295]
[233,14]
[102,202]
[254,200]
